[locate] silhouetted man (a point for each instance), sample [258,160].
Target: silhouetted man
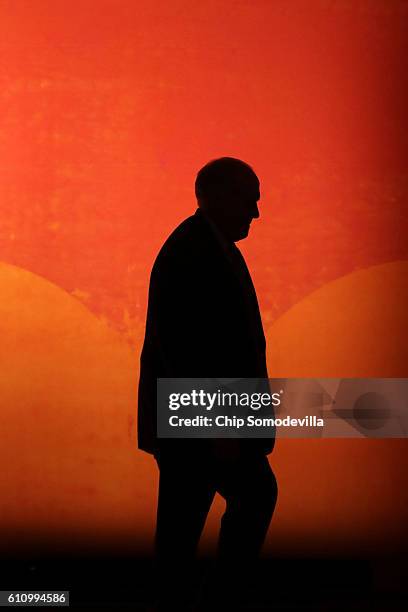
[203,321]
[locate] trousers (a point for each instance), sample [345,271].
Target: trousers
[187,486]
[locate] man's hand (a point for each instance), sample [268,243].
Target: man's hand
[227,450]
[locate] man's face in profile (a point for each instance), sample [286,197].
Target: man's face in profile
[243,209]
[237,207]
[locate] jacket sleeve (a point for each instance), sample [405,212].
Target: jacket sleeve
[178,339]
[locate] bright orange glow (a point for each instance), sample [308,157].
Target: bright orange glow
[344,495]
[68,388]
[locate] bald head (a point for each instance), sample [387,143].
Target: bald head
[227,189]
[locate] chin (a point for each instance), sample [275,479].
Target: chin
[241,235]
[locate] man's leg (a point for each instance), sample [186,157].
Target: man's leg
[250,490]
[185,496]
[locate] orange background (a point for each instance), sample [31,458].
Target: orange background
[109,108]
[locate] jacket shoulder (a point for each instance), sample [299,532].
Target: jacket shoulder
[189,242]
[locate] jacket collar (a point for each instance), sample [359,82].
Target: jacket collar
[223,242]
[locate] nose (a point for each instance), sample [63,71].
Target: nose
[255,212]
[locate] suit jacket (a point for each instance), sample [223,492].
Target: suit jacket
[203,321]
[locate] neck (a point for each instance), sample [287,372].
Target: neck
[215,222]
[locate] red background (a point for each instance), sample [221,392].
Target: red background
[108,110]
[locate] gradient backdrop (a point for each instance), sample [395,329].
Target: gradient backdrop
[108,109]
